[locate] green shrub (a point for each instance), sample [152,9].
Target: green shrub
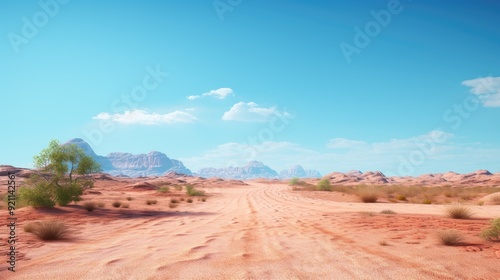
[164,189]
[66,194]
[324,185]
[191,191]
[493,232]
[37,196]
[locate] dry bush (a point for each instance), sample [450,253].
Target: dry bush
[129,198]
[100,204]
[495,199]
[178,188]
[189,200]
[164,189]
[459,212]
[151,201]
[125,205]
[203,199]
[172,205]
[493,232]
[50,230]
[450,237]
[30,227]
[387,211]
[173,200]
[89,206]
[116,204]
[368,196]
[383,243]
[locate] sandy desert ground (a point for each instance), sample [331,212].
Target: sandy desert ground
[262,230]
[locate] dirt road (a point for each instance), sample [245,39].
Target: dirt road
[251,232]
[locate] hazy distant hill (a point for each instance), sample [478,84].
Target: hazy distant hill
[151,164]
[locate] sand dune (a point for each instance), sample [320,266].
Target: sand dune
[258,231]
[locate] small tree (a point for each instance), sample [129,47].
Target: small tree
[324,185]
[62,177]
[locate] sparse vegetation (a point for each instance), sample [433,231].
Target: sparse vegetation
[459,212]
[387,211]
[427,200]
[182,199]
[189,200]
[178,188]
[368,196]
[203,199]
[191,191]
[100,204]
[164,189]
[383,243]
[89,206]
[324,185]
[50,230]
[129,198]
[173,200]
[450,237]
[116,204]
[30,226]
[172,205]
[125,205]
[151,201]
[63,176]
[493,232]
[495,199]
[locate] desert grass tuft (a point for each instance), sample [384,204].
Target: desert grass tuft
[203,199]
[495,199]
[450,237]
[459,212]
[116,204]
[164,189]
[89,206]
[173,205]
[173,200]
[50,230]
[189,200]
[129,198]
[191,191]
[151,201]
[387,211]
[493,232]
[30,227]
[368,196]
[383,243]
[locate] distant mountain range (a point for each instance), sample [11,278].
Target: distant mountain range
[157,164]
[126,164]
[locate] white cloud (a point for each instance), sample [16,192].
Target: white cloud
[342,143]
[251,112]
[220,93]
[487,90]
[145,118]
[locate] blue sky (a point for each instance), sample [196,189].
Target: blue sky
[405,87]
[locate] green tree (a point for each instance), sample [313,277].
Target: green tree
[62,177]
